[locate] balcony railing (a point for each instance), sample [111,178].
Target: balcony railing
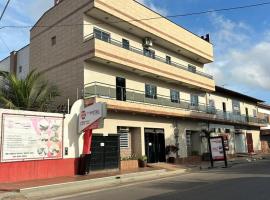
[136,96]
[141,52]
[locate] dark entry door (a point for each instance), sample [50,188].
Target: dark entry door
[105,152]
[155,145]
[250,143]
[120,89]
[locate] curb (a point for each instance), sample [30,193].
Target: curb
[54,190]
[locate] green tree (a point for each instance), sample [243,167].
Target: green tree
[31,93]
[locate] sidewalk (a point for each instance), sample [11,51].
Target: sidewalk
[18,186]
[70,185]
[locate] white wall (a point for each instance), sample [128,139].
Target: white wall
[5,65]
[23,61]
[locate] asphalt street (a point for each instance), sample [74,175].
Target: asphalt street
[240,182]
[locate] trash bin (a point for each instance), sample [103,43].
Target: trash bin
[84,164]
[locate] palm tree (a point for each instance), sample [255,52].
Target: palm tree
[31,93]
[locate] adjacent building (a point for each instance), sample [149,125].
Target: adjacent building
[264,112]
[149,72]
[17,62]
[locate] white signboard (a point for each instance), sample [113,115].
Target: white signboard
[217,148]
[31,138]
[92,114]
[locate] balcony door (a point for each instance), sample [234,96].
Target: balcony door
[120,89]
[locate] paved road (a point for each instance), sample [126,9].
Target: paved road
[240,182]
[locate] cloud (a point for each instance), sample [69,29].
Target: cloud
[241,60]
[154,7]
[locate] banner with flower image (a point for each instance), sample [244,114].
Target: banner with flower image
[31,138]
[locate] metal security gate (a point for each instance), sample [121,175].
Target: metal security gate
[105,152]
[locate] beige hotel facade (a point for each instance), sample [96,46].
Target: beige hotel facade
[149,72]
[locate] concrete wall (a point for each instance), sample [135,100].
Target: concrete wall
[23,62]
[62,62]
[5,65]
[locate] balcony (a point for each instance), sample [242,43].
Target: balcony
[136,101]
[137,59]
[165,32]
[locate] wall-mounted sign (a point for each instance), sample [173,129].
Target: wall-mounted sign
[31,138]
[91,116]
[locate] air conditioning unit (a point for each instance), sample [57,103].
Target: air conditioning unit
[147,42]
[122,129]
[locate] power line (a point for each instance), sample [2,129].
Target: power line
[5,44]
[5,8]
[146,19]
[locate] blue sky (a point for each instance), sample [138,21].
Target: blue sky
[241,38]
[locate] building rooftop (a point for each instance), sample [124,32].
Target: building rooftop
[239,95]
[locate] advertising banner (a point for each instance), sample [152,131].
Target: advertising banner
[217,149]
[31,138]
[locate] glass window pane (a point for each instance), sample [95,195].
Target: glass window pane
[192,68]
[151,91]
[194,100]
[125,44]
[175,96]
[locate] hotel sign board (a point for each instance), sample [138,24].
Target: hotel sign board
[92,116]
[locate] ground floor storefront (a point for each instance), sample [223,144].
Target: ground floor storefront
[154,136]
[124,138]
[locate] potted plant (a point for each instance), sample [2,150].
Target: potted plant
[171,151]
[142,161]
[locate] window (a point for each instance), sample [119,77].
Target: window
[254,112]
[53,40]
[20,69]
[125,44]
[212,105]
[236,107]
[175,96]
[149,53]
[224,107]
[124,140]
[99,34]
[168,60]
[151,91]
[194,100]
[192,68]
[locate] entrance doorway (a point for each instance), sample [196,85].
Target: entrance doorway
[194,143]
[250,143]
[120,89]
[154,145]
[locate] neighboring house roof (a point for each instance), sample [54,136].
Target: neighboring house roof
[237,94]
[264,105]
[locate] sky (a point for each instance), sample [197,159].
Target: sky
[241,38]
